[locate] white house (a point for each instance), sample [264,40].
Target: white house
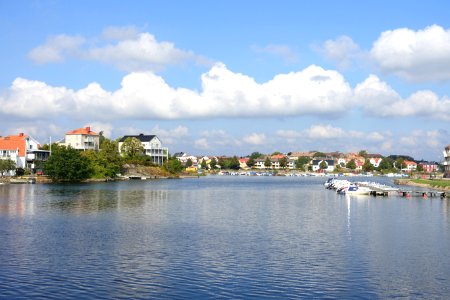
[152,147]
[316,164]
[82,139]
[23,150]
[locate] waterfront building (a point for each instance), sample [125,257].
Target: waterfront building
[82,139]
[447,162]
[152,147]
[410,166]
[428,167]
[24,151]
[316,164]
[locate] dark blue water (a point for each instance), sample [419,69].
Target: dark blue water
[219,237]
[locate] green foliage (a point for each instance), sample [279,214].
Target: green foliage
[251,162]
[20,171]
[276,153]
[234,163]
[107,162]
[419,168]
[67,164]
[323,165]
[256,155]
[203,165]
[301,162]
[267,162]
[132,148]
[213,163]
[367,166]
[400,163]
[319,154]
[351,165]
[188,163]
[283,162]
[386,164]
[173,166]
[363,153]
[6,165]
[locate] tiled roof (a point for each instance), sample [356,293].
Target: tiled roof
[14,142]
[83,131]
[141,137]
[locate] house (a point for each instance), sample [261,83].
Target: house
[184,157]
[428,167]
[447,162]
[23,150]
[410,166]
[316,164]
[243,163]
[152,147]
[375,161]
[82,139]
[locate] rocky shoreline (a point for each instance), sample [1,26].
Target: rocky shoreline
[409,182]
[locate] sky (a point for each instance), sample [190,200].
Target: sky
[231,77]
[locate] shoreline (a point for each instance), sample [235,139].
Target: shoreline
[409,182]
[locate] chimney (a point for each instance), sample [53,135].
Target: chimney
[21,134]
[88,128]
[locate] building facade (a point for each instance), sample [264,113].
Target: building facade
[24,151]
[152,147]
[82,139]
[447,162]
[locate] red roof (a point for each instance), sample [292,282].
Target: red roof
[14,142]
[83,131]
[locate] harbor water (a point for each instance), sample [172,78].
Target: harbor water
[232,237]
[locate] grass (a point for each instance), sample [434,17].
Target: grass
[434,182]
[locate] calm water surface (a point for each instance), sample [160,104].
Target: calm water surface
[219,237]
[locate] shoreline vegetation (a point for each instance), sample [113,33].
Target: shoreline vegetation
[437,184]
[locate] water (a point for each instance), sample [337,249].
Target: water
[219,237]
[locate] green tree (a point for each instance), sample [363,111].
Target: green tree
[234,163]
[188,163]
[400,163]
[203,164]
[256,155]
[419,168]
[367,166]
[213,163]
[267,163]
[107,162]
[276,153]
[251,162]
[323,165]
[319,154]
[6,165]
[351,165]
[283,162]
[301,162]
[363,153]
[386,164]
[67,164]
[173,166]
[132,148]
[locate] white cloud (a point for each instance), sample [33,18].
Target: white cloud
[283,51]
[377,98]
[106,128]
[343,50]
[125,48]
[56,48]
[255,139]
[422,55]
[201,143]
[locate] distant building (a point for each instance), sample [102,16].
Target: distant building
[23,150]
[316,164]
[428,167]
[82,139]
[410,166]
[447,162]
[152,147]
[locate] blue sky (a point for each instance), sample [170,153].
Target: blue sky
[231,77]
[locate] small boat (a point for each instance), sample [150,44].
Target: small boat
[355,190]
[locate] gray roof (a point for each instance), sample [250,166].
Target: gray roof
[141,137]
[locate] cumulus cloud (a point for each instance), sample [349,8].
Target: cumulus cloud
[283,51]
[422,55]
[123,47]
[255,139]
[343,50]
[312,91]
[377,98]
[56,48]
